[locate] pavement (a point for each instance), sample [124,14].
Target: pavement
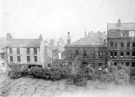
[31,87]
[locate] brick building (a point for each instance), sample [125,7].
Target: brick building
[121,43]
[92,49]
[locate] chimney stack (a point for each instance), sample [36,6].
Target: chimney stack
[119,23]
[85,35]
[40,37]
[8,36]
[68,38]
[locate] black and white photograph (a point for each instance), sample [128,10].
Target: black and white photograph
[67,48]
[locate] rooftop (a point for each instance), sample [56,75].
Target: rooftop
[24,43]
[93,40]
[123,26]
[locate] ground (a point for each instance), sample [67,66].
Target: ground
[31,87]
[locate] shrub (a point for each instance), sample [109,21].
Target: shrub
[118,75]
[38,72]
[132,76]
[55,75]
[78,79]
[18,70]
[90,72]
[65,72]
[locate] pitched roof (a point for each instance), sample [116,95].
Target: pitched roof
[24,43]
[124,26]
[93,40]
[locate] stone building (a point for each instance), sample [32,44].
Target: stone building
[121,43]
[92,49]
[23,51]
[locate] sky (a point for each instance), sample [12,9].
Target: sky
[54,18]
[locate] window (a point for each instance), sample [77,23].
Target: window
[127,63]
[99,64]
[10,50]
[115,54]
[133,54]
[121,54]
[133,64]
[122,44]
[111,44]
[28,58]
[11,58]
[84,53]
[133,44]
[35,58]
[18,51]
[28,50]
[35,50]
[18,58]
[127,54]
[115,44]
[128,44]
[100,54]
[76,52]
[115,63]
[111,54]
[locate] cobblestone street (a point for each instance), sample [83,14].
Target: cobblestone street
[30,87]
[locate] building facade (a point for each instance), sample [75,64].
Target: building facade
[91,48]
[121,43]
[23,51]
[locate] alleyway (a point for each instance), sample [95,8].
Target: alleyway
[30,87]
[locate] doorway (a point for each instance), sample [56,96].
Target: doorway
[84,65]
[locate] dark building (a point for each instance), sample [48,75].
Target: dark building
[121,43]
[91,48]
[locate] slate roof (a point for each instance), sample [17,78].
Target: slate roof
[93,40]
[124,26]
[60,48]
[24,43]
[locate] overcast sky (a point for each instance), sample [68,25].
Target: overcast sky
[54,18]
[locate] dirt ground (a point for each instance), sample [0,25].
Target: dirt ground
[31,87]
